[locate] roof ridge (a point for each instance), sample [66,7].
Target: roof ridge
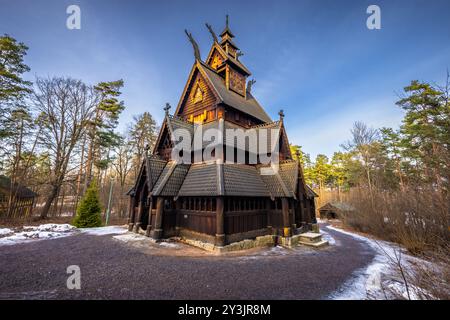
[165,178]
[220,181]
[283,185]
[265,124]
[202,64]
[176,117]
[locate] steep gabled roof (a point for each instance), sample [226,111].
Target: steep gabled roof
[212,179]
[16,189]
[153,165]
[170,180]
[201,180]
[338,206]
[310,192]
[247,105]
[226,57]
[284,182]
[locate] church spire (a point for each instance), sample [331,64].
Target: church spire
[227,32]
[226,40]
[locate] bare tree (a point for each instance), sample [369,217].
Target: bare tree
[122,165]
[66,105]
[362,144]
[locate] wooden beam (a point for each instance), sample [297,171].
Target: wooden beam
[220,231]
[131,214]
[285,213]
[138,223]
[149,222]
[157,232]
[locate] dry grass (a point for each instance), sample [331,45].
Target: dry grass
[415,218]
[418,220]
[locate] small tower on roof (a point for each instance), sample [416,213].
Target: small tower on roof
[226,40]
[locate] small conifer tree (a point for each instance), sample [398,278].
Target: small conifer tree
[89,209]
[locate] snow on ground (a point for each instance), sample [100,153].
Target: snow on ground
[326,236]
[100,231]
[169,244]
[53,227]
[27,233]
[130,237]
[5,232]
[50,231]
[379,279]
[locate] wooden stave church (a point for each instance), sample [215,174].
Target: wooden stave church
[219,203]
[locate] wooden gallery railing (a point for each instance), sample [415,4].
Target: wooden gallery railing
[198,221]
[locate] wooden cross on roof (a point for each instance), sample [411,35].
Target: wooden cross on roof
[281,114]
[167,108]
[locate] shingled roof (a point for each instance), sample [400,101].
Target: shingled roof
[211,179]
[201,180]
[284,182]
[156,166]
[174,123]
[243,180]
[170,180]
[247,105]
[223,180]
[233,60]
[18,190]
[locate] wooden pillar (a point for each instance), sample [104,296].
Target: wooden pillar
[285,213]
[308,211]
[131,214]
[157,232]
[149,223]
[220,218]
[138,222]
[269,216]
[294,207]
[313,210]
[178,207]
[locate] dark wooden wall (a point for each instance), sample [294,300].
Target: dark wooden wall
[244,221]
[209,100]
[198,221]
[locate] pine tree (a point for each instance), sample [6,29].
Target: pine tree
[89,209]
[101,129]
[143,132]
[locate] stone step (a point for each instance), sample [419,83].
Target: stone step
[310,237]
[317,244]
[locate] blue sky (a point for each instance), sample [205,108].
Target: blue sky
[315,59]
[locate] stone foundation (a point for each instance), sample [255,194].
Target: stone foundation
[258,242]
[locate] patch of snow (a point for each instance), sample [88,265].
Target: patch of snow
[130,237]
[25,236]
[277,250]
[169,244]
[379,276]
[326,236]
[100,231]
[5,232]
[53,227]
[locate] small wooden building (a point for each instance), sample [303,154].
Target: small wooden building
[219,202]
[20,197]
[334,210]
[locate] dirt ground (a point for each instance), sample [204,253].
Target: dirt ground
[124,266]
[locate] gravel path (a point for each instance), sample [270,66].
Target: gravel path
[113,269]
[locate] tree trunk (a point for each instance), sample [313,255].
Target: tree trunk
[80,173]
[48,202]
